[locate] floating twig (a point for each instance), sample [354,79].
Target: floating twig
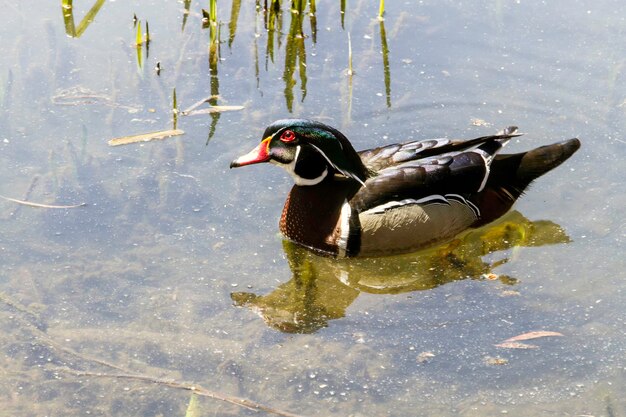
[198,104]
[515,342]
[27,194]
[213,109]
[51,206]
[191,110]
[145,137]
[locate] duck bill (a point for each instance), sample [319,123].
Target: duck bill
[255,156]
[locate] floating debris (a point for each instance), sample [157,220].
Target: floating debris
[213,109]
[533,335]
[514,342]
[490,276]
[424,357]
[206,17]
[191,110]
[39,205]
[516,345]
[495,361]
[145,137]
[480,122]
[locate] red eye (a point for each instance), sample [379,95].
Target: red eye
[288,136]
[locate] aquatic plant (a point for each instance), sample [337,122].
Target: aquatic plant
[67,7]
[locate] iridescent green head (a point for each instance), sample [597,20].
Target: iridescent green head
[310,151]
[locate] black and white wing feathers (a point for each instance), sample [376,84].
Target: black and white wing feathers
[383,157]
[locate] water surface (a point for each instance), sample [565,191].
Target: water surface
[174,268]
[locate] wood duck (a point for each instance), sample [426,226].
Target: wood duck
[396,198]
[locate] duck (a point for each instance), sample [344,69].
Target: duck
[396,198]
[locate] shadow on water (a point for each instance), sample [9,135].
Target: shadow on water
[321,289]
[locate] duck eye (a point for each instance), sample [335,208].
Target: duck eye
[288,136]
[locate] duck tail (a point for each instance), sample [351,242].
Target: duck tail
[538,161]
[511,174]
[514,172]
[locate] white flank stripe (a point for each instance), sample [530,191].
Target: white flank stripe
[431,199]
[465,201]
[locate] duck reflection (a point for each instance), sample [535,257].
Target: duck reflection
[322,288]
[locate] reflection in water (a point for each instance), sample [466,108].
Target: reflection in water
[272,17]
[322,288]
[295,54]
[214,54]
[273,25]
[141,40]
[186,6]
[313,20]
[67,8]
[387,72]
[295,49]
[232,25]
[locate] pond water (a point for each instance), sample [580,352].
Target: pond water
[172,275]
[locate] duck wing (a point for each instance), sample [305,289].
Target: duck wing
[424,179]
[377,159]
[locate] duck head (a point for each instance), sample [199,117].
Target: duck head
[308,150]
